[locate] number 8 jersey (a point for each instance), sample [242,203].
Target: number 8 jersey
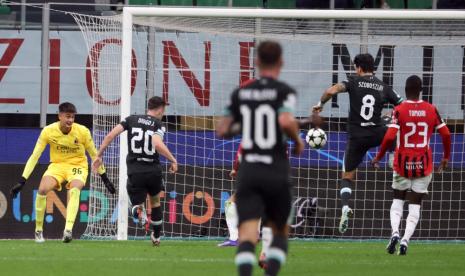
[142,157]
[367,96]
[416,121]
[256,106]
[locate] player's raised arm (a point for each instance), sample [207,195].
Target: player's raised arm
[31,163]
[328,94]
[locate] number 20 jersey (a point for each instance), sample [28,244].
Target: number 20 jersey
[256,106]
[142,157]
[415,121]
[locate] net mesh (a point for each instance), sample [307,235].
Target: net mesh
[195,63]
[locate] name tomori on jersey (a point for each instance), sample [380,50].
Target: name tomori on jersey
[370,85]
[417,113]
[258,95]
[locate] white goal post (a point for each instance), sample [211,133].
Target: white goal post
[402,31]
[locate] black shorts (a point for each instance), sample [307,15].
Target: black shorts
[264,191]
[141,184]
[357,147]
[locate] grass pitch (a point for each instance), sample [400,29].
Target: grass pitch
[80,257]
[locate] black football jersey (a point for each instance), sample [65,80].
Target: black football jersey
[367,96]
[256,106]
[142,157]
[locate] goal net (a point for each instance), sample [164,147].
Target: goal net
[194,62]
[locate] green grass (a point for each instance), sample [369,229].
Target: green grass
[80,257]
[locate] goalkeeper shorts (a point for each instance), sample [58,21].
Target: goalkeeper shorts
[66,173]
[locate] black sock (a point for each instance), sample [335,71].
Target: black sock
[346,191]
[245,258]
[157,221]
[276,255]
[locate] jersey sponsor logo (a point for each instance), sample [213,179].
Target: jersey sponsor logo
[370,85]
[66,149]
[258,94]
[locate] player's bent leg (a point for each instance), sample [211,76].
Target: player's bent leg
[156,219]
[72,208]
[245,257]
[47,184]
[397,208]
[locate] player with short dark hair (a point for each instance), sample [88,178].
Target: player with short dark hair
[68,142]
[263,112]
[413,160]
[145,143]
[367,96]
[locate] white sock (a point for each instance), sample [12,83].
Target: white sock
[345,207]
[397,208]
[412,220]
[231,220]
[267,237]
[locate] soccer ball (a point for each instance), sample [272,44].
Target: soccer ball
[316,138]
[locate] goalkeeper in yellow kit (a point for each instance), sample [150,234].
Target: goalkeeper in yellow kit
[68,164]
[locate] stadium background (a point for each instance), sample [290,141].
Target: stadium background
[19,127]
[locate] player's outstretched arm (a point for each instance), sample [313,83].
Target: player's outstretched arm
[97,157]
[389,138]
[162,149]
[290,127]
[31,163]
[446,142]
[328,94]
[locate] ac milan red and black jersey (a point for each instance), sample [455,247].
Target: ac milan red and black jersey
[416,121]
[256,106]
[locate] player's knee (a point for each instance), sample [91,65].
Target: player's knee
[349,175]
[155,200]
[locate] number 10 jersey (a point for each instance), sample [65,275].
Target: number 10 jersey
[142,156]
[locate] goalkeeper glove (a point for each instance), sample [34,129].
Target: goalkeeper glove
[17,188]
[110,187]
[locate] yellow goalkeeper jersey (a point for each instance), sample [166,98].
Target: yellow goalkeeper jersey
[69,149]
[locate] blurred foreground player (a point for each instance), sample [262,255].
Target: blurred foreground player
[68,142]
[366,129]
[232,219]
[413,161]
[263,111]
[145,176]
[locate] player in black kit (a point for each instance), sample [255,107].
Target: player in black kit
[145,143]
[365,127]
[263,112]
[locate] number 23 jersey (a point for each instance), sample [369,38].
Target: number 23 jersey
[416,121]
[142,156]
